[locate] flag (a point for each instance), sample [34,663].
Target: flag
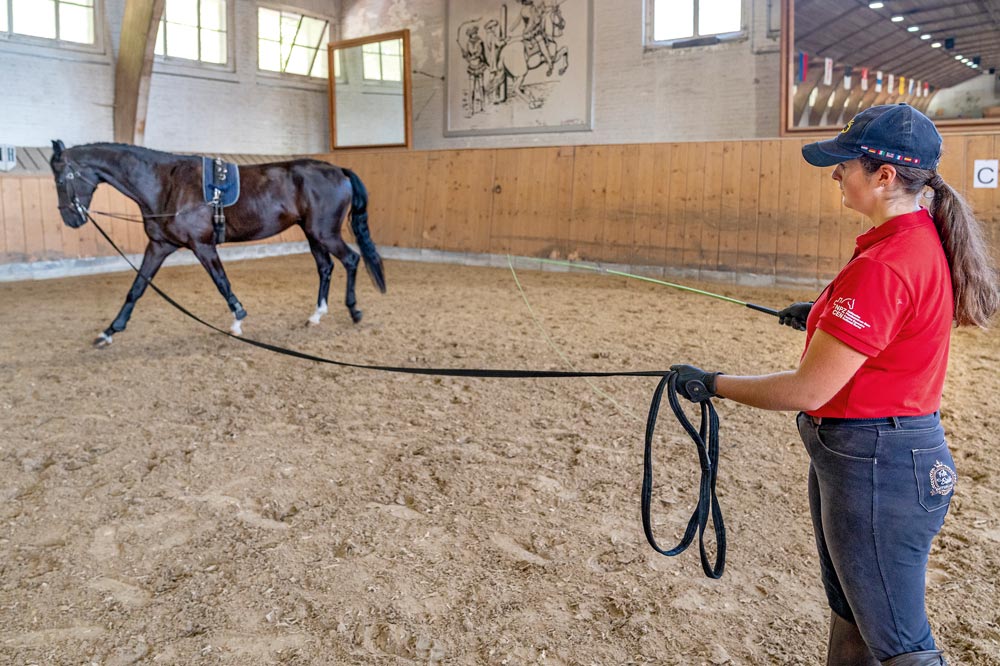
[848,70]
[827,71]
[891,83]
[864,78]
[878,81]
[927,89]
[910,91]
[902,85]
[803,65]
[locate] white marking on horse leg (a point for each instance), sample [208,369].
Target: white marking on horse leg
[237,327]
[316,316]
[103,340]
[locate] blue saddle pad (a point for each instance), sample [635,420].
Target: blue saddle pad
[220,181]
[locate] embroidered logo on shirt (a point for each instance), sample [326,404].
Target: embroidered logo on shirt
[942,479]
[843,308]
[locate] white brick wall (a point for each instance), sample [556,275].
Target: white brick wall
[56,93]
[716,92]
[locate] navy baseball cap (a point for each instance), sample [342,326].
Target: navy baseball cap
[894,133]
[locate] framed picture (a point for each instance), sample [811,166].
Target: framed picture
[517,66]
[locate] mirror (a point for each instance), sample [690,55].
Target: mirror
[838,58]
[370,92]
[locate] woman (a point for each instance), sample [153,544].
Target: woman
[869,382]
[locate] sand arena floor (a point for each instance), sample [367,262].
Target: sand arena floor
[181,498]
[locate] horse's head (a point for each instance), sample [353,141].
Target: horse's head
[75,185]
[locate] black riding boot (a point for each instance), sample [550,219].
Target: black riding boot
[846,646]
[923,658]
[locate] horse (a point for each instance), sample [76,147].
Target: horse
[518,57]
[168,189]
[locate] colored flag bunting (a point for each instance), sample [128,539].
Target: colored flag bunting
[803,65]
[878,81]
[848,71]
[827,71]
[864,78]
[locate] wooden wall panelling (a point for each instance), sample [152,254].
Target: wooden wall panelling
[619,216]
[544,198]
[70,238]
[118,229]
[409,189]
[746,250]
[808,234]
[831,236]
[651,198]
[694,193]
[789,215]
[984,201]
[52,222]
[676,210]
[556,206]
[729,205]
[459,198]
[589,192]
[506,234]
[710,214]
[31,205]
[13,210]
[770,213]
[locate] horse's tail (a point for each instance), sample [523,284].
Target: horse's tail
[359,225]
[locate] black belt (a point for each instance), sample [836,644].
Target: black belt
[882,420]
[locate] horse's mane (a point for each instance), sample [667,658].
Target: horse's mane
[146,154]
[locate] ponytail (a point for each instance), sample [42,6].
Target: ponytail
[973,272]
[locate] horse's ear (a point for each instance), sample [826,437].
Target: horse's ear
[57,148]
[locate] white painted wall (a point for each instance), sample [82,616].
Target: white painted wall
[717,92]
[726,91]
[967,99]
[52,93]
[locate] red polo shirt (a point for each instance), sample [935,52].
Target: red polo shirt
[893,303]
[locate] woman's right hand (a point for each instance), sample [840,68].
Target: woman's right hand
[795,315]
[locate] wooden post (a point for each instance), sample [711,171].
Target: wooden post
[135,67]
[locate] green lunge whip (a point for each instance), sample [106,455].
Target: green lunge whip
[610,271]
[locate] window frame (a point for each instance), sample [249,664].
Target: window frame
[382,81]
[693,41]
[321,51]
[174,64]
[97,48]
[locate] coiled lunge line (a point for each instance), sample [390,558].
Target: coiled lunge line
[708,457]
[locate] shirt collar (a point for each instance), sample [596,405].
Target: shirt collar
[899,223]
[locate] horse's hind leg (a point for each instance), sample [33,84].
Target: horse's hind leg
[151,262]
[350,259]
[324,265]
[209,258]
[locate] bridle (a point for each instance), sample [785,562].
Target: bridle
[70,186]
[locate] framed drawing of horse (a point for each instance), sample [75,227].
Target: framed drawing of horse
[518,66]
[174,196]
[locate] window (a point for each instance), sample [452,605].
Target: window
[194,30]
[292,43]
[702,21]
[61,20]
[383,61]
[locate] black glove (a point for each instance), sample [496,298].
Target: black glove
[795,315]
[694,383]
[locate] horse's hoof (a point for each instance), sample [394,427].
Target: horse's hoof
[312,321]
[102,341]
[237,328]
[356,315]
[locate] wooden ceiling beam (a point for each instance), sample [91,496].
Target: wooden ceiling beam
[134,68]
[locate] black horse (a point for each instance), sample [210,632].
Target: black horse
[168,190]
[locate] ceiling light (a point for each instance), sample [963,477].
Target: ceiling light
[958,57]
[897,19]
[876,5]
[913,28]
[936,45]
[965,61]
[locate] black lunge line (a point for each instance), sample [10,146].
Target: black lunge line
[708,456]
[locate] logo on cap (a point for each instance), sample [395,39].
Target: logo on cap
[848,126]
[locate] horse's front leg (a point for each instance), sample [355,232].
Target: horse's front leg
[156,252]
[209,258]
